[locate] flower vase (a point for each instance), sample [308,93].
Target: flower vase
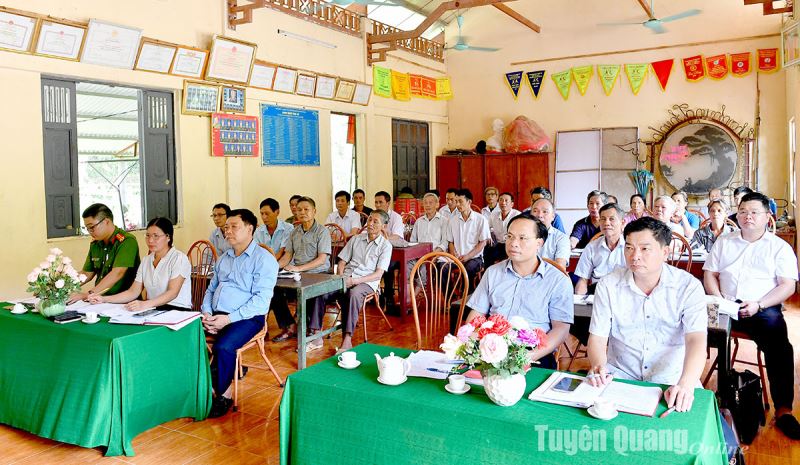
[504,390]
[50,308]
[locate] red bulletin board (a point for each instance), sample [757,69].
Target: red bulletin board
[234,135]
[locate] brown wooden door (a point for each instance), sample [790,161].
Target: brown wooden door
[533,171]
[501,172]
[410,156]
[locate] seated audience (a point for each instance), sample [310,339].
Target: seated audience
[498,222]
[347,219]
[604,254]
[359,196]
[274,233]
[307,250]
[683,216]
[611,199]
[165,273]
[586,228]
[431,227]
[758,270]
[491,195]
[663,209]
[236,301]
[219,213]
[527,287]
[449,209]
[394,231]
[556,247]
[113,254]
[544,193]
[649,319]
[293,207]
[714,193]
[467,235]
[638,209]
[362,262]
[738,193]
[705,237]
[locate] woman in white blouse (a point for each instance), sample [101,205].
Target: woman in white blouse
[165,274]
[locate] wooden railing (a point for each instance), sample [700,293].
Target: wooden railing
[317,11]
[418,45]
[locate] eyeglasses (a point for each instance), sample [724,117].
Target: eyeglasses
[90,229]
[745,214]
[523,239]
[217,215]
[154,236]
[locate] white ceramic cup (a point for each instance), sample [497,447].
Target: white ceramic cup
[348,358]
[91,316]
[604,407]
[457,382]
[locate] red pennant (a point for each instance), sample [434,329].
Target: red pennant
[768,60]
[693,67]
[740,64]
[428,86]
[662,69]
[717,66]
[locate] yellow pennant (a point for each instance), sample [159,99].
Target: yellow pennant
[563,81]
[636,75]
[401,86]
[608,76]
[443,90]
[582,76]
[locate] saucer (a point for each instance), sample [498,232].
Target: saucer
[466,389]
[349,367]
[90,322]
[594,413]
[395,383]
[20,312]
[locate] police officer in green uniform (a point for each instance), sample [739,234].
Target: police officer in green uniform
[113,254]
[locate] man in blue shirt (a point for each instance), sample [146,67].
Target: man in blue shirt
[236,301]
[274,233]
[585,229]
[219,213]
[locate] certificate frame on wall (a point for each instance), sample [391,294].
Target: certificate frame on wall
[326,87]
[790,45]
[199,98]
[233,99]
[306,82]
[263,75]
[230,60]
[155,56]
[285,80]
[110,44]
[60,39]
[345,91]
[189,62]
[362,93]
[234,135]
[17,30]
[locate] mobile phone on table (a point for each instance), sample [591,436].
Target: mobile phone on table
[152,311]
[567,384]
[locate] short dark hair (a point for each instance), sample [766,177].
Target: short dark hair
[660,230]
[596,193]
[682,194]
[742,190]
[615,207]
[757,197]
[406,190]
[508,194]
[384,216]
[433,191]
[295,197]
[247,217]
[466,193]
[164,225]
[541,229]
[223,206]
[543,191]
[609,197]
[271,203]
[344,194]
[359,191]
[307,199]
[637,195]
[451,190]
[98,211]
[385,195]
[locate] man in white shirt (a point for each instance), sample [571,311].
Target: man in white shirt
[432,226]
[498,227]
[491,195]
[649,320]
[394,230]
[759,271]
[449,209]
[274,233]
[557,246]
[604,254]
[219,213]
[467,235]
[348,220]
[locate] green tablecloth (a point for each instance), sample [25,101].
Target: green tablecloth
[334,416]
[101,384]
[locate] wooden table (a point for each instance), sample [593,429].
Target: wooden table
[403,255]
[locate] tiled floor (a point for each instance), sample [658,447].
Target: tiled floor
[251,436]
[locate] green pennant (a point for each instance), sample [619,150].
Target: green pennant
[636,75]
[382,81]
[608,76]
[563,81]
[582,76]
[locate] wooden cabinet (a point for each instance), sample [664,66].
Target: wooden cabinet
[508,172]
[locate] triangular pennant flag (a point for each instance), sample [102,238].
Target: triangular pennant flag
[608,76]
[717,66]
[636,75]
[563,81]
[401,87]
[514,80]
[382,81]
[582,75]
[535,79]
[693,68]
[767,60]
[740,64]
[662,69]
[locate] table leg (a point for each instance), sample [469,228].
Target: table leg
[301,330]
[402,288]
[723,366]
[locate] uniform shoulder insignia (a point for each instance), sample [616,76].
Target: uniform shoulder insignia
[120,237]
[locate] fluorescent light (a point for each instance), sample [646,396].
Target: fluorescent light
[310,40]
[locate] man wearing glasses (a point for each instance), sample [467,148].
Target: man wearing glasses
[219,213]
[758,270]
[113,254]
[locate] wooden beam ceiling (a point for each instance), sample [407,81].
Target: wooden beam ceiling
[647,9]
[527,22]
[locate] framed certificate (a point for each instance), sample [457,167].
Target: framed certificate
[233,99]
[110,44]
[305,84]
[155,56]
[263,74]
[231,60]
[285,80]
[189,62]
[345,91]
[790,39]
[60,40]
[16,31]
[326,87]
[199,98]
[362,93]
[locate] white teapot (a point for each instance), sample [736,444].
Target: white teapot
[392,369]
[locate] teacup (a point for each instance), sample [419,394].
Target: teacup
[457,382]
[91,316]
[348,358]
[604,407]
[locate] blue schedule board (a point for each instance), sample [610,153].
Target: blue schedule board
[290,136]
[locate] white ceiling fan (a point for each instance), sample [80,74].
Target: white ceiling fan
[657,24]
[462,45]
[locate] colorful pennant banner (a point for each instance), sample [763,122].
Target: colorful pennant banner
[401,86]
[535,79]
[740,64]
[443,90]
[563,81]
[636,75]
[693,67]
[608,76]
[514,80]
[382,81]
[428,87]
[717,66]
[582,75]
[768,60]
[662,69]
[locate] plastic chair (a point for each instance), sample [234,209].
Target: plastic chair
[439,284]
[202,257]
[680,246]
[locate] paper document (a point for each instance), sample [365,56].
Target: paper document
[726,306]
[430,364]
[583,299]
[160,318]
[288,274]
[632,398]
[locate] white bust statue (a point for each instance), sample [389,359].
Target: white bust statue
[495,143]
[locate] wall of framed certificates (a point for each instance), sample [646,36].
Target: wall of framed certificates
[234,135]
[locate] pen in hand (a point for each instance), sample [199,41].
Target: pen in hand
[667,412]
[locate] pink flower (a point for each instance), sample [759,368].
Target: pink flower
[493,348]
[478,321]
[465,332]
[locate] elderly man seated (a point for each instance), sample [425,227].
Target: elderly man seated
[604,254]
[498,222]
[525,286]
[649,319]
[557,246]
[362,262]
[431,227]
[236,301]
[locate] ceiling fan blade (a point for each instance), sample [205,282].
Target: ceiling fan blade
[483,49]
[655,26]
[681,15]
[621,24]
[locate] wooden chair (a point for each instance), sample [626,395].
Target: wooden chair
[257,340]
[600,234]
[338,241]
[267,248]
[771,225]
[373,297]
[736,335]
[202,257]
[408,224]
[364,218]
[475,207]
[678,247]
[439,284]
[699,213]
[579,348]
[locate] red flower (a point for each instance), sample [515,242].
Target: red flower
[542,336]
[501,325]
[478,321]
